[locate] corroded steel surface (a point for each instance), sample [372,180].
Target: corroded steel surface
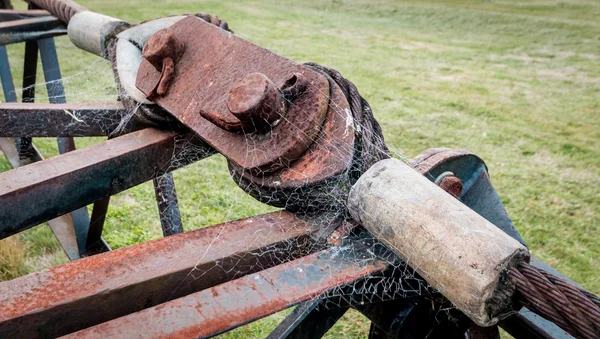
[214,60]
[92,290]
[59,120]
[452,185]
[426,161]
[238,302]
[62,226]
[331,153]
[162,51]
[44,190]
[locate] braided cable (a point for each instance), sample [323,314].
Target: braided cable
[574,310]
[62,9]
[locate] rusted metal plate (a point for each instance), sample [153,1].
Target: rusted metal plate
[59,120]
[330,155]
[213,62]
[47,189]
[92,290]
[226,306]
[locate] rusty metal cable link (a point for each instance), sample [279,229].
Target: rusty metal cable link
[62,9]
[573,309]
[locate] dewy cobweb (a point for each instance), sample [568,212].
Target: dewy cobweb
[206,196]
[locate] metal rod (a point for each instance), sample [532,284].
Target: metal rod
[24,145]
[56,95]
[62,226]
[94,243]
[93,290]
[168,208]
[60,120]
[8,86]
[45,190]
[13,14]
[226,306]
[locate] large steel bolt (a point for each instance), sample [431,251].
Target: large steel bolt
[163,50]
[256,101]
[450,183]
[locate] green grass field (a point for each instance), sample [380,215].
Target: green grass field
[515,82]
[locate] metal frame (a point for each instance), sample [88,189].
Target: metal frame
[37,28]
[158,285]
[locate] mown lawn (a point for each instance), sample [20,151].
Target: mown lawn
[515,82]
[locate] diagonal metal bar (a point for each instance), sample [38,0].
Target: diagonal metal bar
[307,320]
[92,290]
[47,189]
[94,243]
[223,307]
[6,77]
[59,120]
[168,208]
[62,226]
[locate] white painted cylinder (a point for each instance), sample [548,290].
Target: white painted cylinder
[92,31]
[456,250]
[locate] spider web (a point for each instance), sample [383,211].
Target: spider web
[207,195]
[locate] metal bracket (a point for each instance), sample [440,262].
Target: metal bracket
[212,63]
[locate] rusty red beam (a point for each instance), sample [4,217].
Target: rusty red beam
[62,227]
[47,189]
[229,305]
[59,120]
[96,289]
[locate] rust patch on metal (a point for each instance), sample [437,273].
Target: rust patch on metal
[162,51]
[109,285]
[452,185]
[433,157]
[213,62]
[330,155]
[256,102]
[238,302]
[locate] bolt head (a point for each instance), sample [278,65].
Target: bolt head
[163,45]
[256,101]
[452,185]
